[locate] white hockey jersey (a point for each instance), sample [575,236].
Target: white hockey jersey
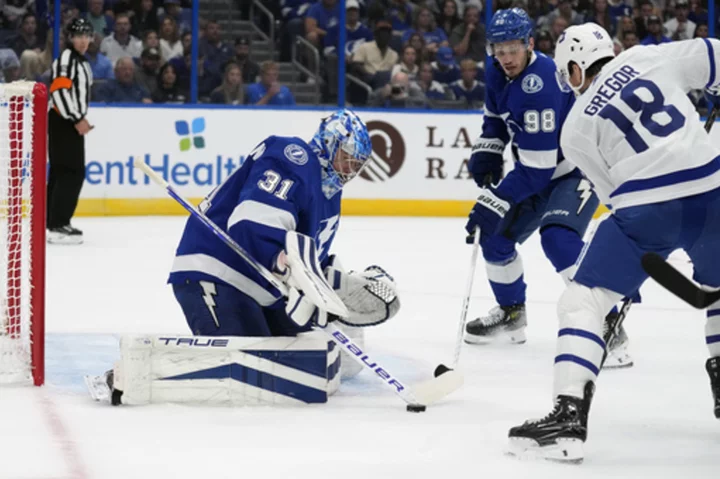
[634,132]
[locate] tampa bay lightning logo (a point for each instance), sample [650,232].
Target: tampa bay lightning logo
[532,83]
[296,154]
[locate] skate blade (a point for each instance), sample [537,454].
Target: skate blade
[504,337]
[566,451]
[618,361]
[64,239]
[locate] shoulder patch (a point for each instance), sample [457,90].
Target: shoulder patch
[532,83]
[296,154]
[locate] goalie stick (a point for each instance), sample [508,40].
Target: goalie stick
[417,397]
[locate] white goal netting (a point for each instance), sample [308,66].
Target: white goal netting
[23,106]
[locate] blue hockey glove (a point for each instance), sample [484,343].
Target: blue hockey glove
[486,161]
[712,96]
[490,213]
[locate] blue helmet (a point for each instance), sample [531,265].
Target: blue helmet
[342,144]
[506,25]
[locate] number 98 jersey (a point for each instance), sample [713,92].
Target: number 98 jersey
[635,133]
[528,112]
[277,189]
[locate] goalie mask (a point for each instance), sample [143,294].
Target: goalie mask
[343,146]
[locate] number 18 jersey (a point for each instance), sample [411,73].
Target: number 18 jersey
[635,133]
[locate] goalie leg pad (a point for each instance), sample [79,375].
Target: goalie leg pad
[231,371]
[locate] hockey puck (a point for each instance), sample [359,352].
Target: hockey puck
[441,369]
[416,408]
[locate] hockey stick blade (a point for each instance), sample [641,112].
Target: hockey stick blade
[433,390]
[676,282]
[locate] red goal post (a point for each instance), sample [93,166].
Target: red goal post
[23,166]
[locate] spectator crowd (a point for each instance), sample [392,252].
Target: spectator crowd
[398,53]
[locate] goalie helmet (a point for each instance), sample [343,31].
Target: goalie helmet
[343,146]
[584,45]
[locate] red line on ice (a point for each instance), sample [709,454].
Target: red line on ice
[62,436]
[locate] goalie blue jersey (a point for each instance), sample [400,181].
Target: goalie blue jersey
[277,189]
[528,112]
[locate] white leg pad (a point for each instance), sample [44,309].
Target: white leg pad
[234,371]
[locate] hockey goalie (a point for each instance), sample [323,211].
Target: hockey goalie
[252,343]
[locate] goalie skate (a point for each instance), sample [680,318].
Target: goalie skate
[559,436]
[98,387]
[502,324]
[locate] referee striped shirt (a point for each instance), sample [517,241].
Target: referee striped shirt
[70,86]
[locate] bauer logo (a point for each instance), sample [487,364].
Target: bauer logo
[388,152]
[190,134]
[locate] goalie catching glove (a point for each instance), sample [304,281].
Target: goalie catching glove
[370,296]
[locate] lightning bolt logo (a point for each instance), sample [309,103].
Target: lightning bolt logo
[209,291]
[326,233]
[585,190]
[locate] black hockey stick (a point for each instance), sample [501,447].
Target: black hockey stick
[711,119]
[677,283]
[673,280]
[614,328]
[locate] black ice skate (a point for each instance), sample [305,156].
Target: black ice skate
[64,235]
[560,435]
[713,369]
[618,356]
[502,323]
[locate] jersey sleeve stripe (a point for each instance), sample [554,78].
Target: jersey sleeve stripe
[263,214]
[711,53]
[669,179]
[538,159]
[216,268]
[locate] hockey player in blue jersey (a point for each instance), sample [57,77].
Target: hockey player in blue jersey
[285,186]
[635,134]
[525,108]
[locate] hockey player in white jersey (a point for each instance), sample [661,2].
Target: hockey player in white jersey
[636,136]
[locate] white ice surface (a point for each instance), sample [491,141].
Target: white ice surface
[653,421]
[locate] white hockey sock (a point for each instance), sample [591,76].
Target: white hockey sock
[580,346]
[505,273]
[712,329]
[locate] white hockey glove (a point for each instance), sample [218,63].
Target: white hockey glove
[370,296]
[302,311]
[298,267]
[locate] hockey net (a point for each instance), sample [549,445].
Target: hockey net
[23,114]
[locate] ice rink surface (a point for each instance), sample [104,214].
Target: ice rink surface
[652,421]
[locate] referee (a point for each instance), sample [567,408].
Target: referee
[69,93]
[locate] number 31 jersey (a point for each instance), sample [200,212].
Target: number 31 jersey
[277,189]
[635,133]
